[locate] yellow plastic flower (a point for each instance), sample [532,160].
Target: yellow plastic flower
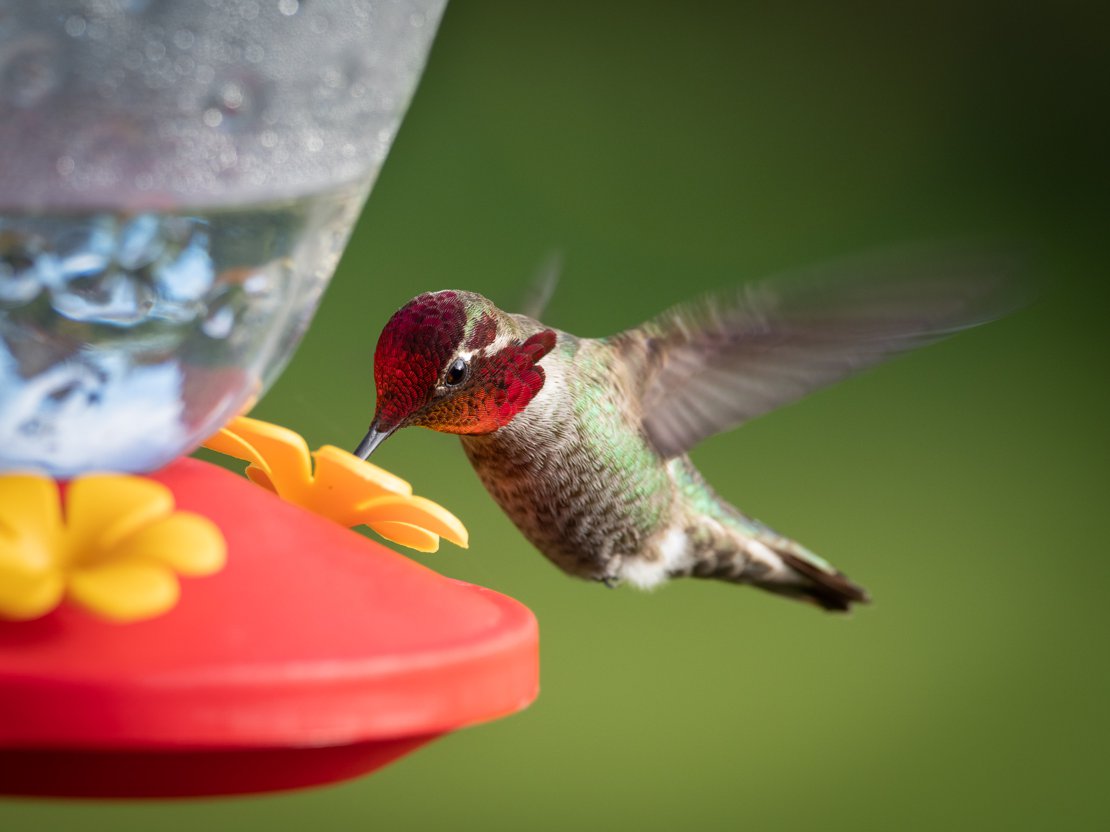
[117,551]
[342,488]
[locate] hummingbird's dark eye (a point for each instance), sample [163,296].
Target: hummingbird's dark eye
[456,373]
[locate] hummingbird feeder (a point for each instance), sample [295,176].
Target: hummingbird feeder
[176,185]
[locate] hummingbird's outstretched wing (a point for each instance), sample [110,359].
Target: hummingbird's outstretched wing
[716,363]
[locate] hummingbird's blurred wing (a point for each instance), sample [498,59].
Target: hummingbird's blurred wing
[716,363]
[542,286]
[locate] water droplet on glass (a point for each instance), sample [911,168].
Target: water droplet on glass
[183,38]
[288,7]
[235,105]
[76,25]
[98,30]
[155,50]
[232,96]
[228,157]
[65,165]
[185,65]
[30,72]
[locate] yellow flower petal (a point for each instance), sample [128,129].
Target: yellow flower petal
[409,535]
[343,470]
[342,488]
[188,543]
[29,507]
[342,481]
[113,551]
[30,527]
[416,511]
[259,477]
[28,557]
[102,509]
[285,453]
[224,441]
[24,596]
[125,590]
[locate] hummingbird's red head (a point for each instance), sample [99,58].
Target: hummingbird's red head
[453,362]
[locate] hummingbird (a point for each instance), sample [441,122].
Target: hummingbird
[584,442]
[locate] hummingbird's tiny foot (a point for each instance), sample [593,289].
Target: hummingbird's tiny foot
[611,581]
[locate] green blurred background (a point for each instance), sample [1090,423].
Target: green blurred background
[668,148]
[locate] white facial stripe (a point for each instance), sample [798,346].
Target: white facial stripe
[496,345]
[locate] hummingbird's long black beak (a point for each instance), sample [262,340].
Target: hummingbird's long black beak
[373,438]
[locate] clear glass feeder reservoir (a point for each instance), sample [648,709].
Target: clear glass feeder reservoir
[177,183]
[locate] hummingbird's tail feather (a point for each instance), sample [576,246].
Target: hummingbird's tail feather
[828,588]
[724,544]
[780,565]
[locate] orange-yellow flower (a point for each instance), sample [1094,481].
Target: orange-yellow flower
[116,552]
[342,487]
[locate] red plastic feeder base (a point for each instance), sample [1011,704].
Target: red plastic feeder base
[147,774]
[316,655]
